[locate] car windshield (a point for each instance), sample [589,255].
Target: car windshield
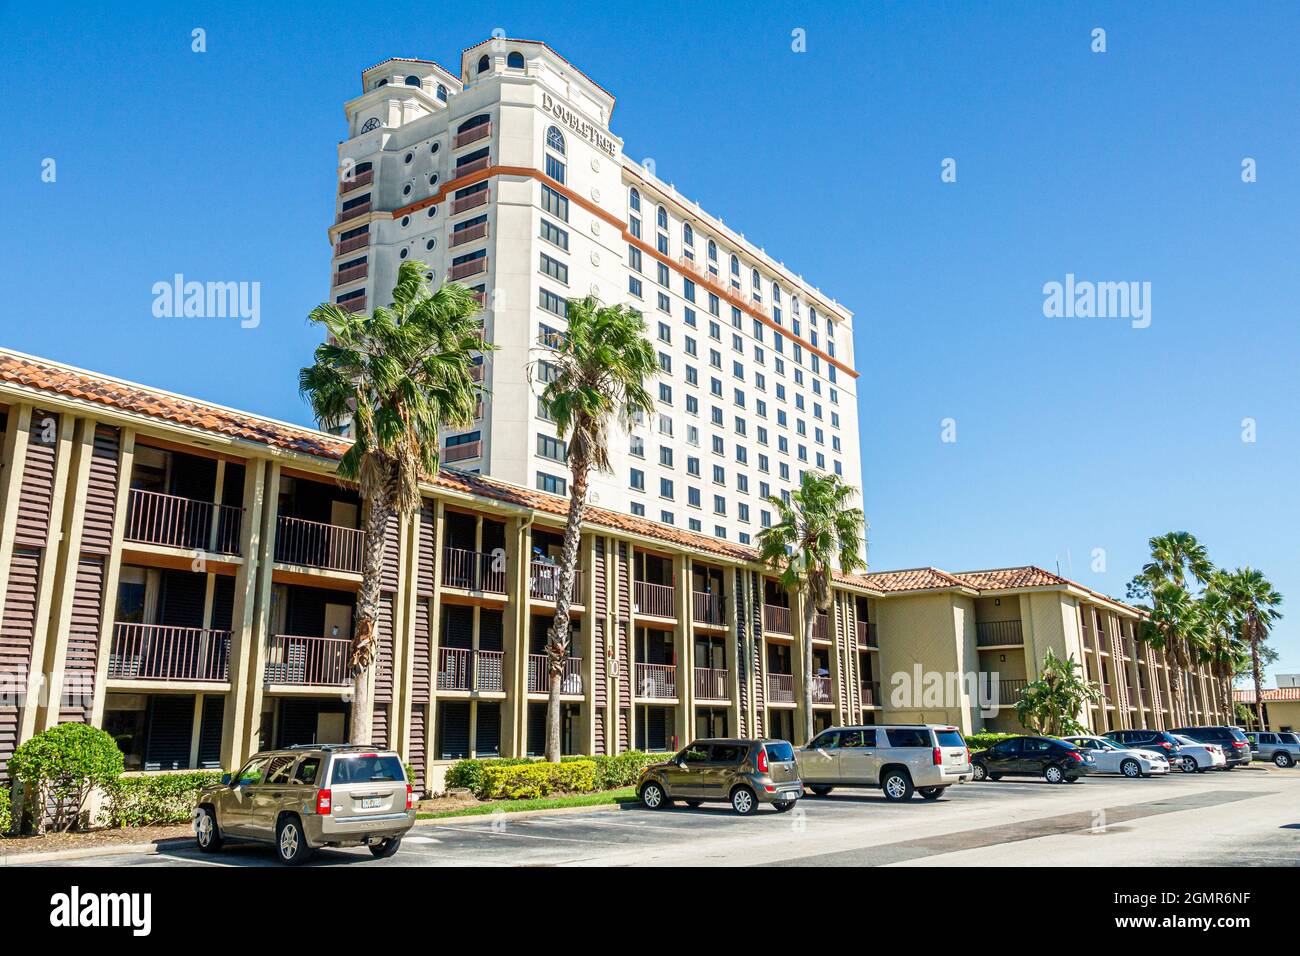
[368,768]
[950,738]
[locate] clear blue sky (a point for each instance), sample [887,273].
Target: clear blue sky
[1072,434]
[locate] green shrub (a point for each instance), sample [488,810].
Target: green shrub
[468,774]
[983,741]
[5,819]
[622,770]
[154,800]
[514,781]
[612,772]
[59,768]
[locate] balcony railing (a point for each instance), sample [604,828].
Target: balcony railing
[351,274]
[712,684]
[464,669]
[461,236]
[1140,696]
[472,201]
[546,582]
[656,681]
[539,675]
[472,135]
[780,688]
[867,635]
[654,599]
[998,634]
[708,608]
[476,372]
[156,518]
[344,246]
[776,619]
[352,212]
[1010,691]
[473,166]
[871,693]
[318,545]
[463,451]
[159,652]
[355,304]
[474,570]
[821,690]
[357,180]
[314,661]
[471,268]
[822,627]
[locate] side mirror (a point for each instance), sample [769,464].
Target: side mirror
[822,752]
[681,762]
[225,779]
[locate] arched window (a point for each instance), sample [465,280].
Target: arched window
[474,121]
[661,217]
[634,200]
[442,92]
[484,63]
[735,267]
[515,60]
[688,235]
[713,251]
[383,82]
[555,140]
[756,281]
[412,81]
[776,292]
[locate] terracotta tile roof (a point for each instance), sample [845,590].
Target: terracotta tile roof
[1276,694]
[998,579]
[911,579]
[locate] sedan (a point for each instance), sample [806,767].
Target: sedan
[1054,760]
[1199,757]
[1112,758]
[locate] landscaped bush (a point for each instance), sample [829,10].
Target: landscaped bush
[468,774]
[59,768]
[537,779]
[154,800]
[611,772]
[984,741]
[5,819]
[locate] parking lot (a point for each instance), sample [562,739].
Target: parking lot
[1244,817]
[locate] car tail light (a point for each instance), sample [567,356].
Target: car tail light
[938,757]
[1167,745]
[323,801]
[1076,755]
[410,797]
[762,760]
[1238,743]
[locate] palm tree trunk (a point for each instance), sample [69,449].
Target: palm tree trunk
[365,642]
[809,620]
[1176,684]
[557,639]
[1256,670]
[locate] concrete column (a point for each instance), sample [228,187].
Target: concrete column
[404,637]
[514,622]
[112,572]
[250,622]
[11,482]
[587,634]
[435,636]
[683,578]
[797,666]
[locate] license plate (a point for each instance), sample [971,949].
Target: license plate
[370,803]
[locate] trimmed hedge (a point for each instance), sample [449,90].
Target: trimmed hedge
[59,768]
[611,772]
[5,819]
[536,779]
[154,800]
[984,741]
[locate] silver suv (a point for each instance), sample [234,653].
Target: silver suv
[302,798]
[900,760]
[1281,747]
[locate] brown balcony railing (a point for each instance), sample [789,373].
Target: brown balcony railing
[546,582]
[472,135]
[357,180]
[776,619]
[463,451]
[654,599]
[871,693]
[998,633]
[352,274]
[867,636]
[656,681]
[472,201]
[344,246]
[461,236]
[539,675]
[352,212]
[474,570]
[481,298]
[1140,696]
[822,627]
[780,688]
[315,661]
[318,545]
[476,372]
[707,608]
[357,304]
[156,518]
[159,652]
[1010,691]
[473,166]
[464,669]
[712,684]
[471,268]
[821,690]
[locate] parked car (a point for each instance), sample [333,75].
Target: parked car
[743,773]
[1280,747]
[900,760]
[1198,757]
[1157,741]
[302,798]
[1054,760]
[1231,740]
[1114,758]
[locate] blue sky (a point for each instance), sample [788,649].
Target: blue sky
[1072,434]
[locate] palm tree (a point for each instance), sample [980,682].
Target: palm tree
[815,531]
[1254,603]
[1176,625]
[1051,704]
[596,372]
[1225,652]
[400,375]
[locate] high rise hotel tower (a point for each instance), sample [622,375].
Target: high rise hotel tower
[507,177]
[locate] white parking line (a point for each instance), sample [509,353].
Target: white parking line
[587,821]
[515,833]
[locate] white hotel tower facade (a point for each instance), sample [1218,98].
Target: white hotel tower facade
[507,178]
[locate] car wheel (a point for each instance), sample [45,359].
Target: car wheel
[932,793]
[1188,765]
[694,803]
[820,791]
[291,843]
[783,805]
[1053,774]
[386,848]
[981,772]
[1283,759]
[743,801]
[1130,768]
[897,786]
[206,832]
[653,796]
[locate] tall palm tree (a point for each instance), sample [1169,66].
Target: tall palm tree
[400,375]
[1178,627]
[1175,556]
[816,531]
[1225,652]
[1254,602]
[596,373]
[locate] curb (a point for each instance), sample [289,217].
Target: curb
[524,814]
[47,856]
